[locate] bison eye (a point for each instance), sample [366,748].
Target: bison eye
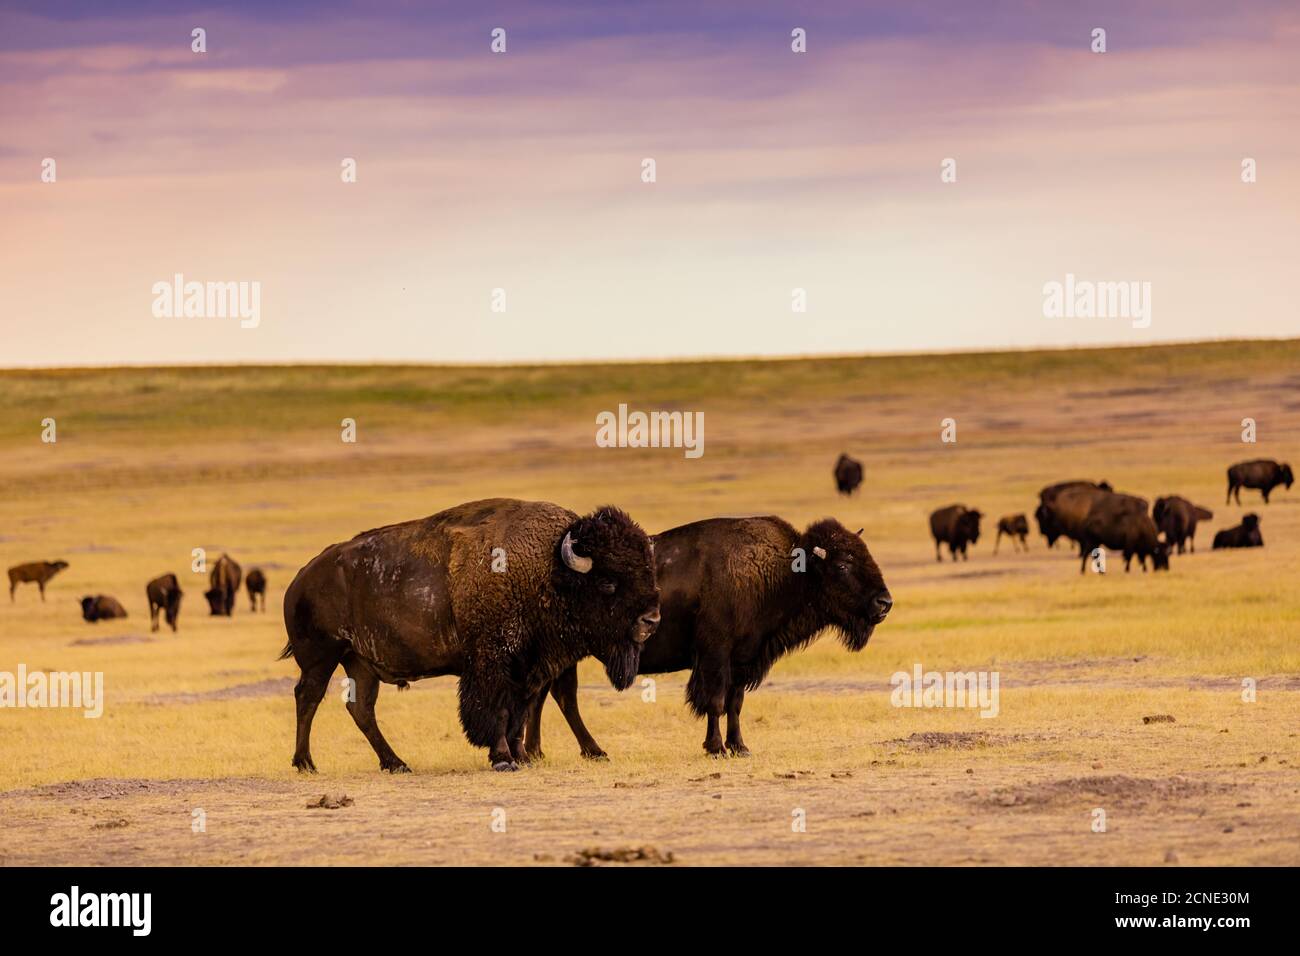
[609,587]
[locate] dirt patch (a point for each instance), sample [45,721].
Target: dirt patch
[936,740]
[271,687]
[119,639]
[1113,791]
[114,788]
[595,856]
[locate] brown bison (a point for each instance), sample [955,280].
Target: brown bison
[38,571]
[1050,526]
[256,584]
[1263,474]
[224,585]
[1121,522]
[957,526]
[1176,518]
[738,595]
[1245,535]
[1016,527]
[848,475]
[101,607]
[164,594]
[506,594]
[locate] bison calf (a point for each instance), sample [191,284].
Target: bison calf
[39,572]
[738,595]
[101,607]
[957,526]
[256,584]
[848,475]
[1016,527]
[164,594]
[1176,518]
[1244,535]
[1263,474]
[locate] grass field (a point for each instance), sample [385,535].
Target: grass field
[152,463]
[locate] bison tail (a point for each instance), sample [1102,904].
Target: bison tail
[1203,514]
[287,652]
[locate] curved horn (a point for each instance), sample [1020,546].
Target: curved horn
[860,530]
[575,562]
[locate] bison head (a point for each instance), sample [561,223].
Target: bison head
[968,525]
[1287,477]
[605,563]
[1158,510]
[216,601]
[1160,556]
[1250,522]
[60,565]
[88,610]
[1047,526]
[849,589]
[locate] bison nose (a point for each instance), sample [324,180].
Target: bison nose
[882,603]
[648,623]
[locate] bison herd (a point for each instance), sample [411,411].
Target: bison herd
[1094,516]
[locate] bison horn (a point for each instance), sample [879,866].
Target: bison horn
[575,562]
[820,552]
[860,530]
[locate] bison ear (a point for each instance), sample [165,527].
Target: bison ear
[820,552]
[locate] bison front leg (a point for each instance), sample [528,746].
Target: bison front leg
[531,747]
[706,692]
[997,542]
[153,616]
[365,686]
[565,691]
[735,742]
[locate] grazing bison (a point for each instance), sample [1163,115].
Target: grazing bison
[1050,526]
[506,594]
[1070,507]
[1245,535]
[101,607]
[164,594]
[1016,527]
[956,526]
[1263,474]
[739,594]
[1121,522]
[256,584]
[848,475]
[1176,518]
[224,585]
[38,571]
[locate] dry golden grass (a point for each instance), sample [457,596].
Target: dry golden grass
[151,463]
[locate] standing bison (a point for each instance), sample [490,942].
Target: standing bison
[1121,522]
[256,584]
[506,594]
[1263,474]
[848,475]
[164,594]
[1244,535]
[738,595]
[101,607]
[1016,527]
[1054,525]
[224,586]
[956,526]
[1176,518]
[39,572]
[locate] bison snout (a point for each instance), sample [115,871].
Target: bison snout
[646,625]
[881,604]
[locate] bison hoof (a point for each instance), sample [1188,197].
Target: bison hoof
[595,755]
[741,751]
[305,765]
[505,766]
[398,767]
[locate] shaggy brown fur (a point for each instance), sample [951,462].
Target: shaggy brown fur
[164,594]
[39,572]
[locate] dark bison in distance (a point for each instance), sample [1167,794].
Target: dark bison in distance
[1121,523]
[1176,518]
[737,595]
[256,584]
[164,594]
[1245,535]
[956,526]
[1263,474]
[1053,525]
[101,607]
[1016,527]
[848,475]
[223,586]
[39,572]
[506,594]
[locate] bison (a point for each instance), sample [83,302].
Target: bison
[101,607]
[1245,535]
[956,526]
[164,594]
[1176,518]
[38,571]
[738,595]
[256,584]
[1263,474]
[1016,527]
[1050,525]
[505,594]
[224,585]
[848,475]
[1121,522]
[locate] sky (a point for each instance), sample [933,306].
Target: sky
[522,172]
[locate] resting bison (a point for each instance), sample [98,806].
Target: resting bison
[1176,519]
[1245,535]
[739,594]
[224,585]
[1263,474]
[1050,525]
[506,594]
[256,584]
[1016,527]
[164,594]
[101,607]
[38,571]
[955,526]
[848,475]
[1121,522]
